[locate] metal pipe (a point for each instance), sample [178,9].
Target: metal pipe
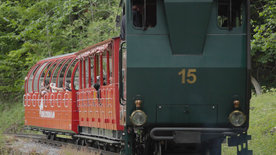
[153,136]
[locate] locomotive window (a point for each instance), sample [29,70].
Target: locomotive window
[30,80]
[37,76]
[144,13]
[229,13]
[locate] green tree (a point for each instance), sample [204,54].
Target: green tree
[31,30]
[263,13]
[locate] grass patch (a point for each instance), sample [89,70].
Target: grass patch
[261,124]
[11,118]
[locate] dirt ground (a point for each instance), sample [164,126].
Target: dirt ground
[24,146]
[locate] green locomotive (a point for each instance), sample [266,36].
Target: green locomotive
[186,85]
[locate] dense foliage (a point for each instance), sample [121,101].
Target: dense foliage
[263,14]
[33,29]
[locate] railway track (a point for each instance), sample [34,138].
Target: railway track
[60,142]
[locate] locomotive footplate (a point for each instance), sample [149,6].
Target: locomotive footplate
[187,135]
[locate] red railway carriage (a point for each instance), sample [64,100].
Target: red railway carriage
[90,106]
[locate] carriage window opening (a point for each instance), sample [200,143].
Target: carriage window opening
[62,74]
[104,68]
[54,77]
[41,79]
[229,13]
[97,69]
[48,76]
[76,79]
[100,67]
[30,80]
[92,70]
[69,72]
[110,67]
[144,13]
[37,76]
[87,72]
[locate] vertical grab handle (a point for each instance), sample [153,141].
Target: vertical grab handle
[121,86]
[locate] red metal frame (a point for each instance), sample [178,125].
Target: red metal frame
[80,76]
[116,47]
[75,112]
[84,72]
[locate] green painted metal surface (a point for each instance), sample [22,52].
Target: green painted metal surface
[186,113]
[187,22]
[153,69]
[162,86]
